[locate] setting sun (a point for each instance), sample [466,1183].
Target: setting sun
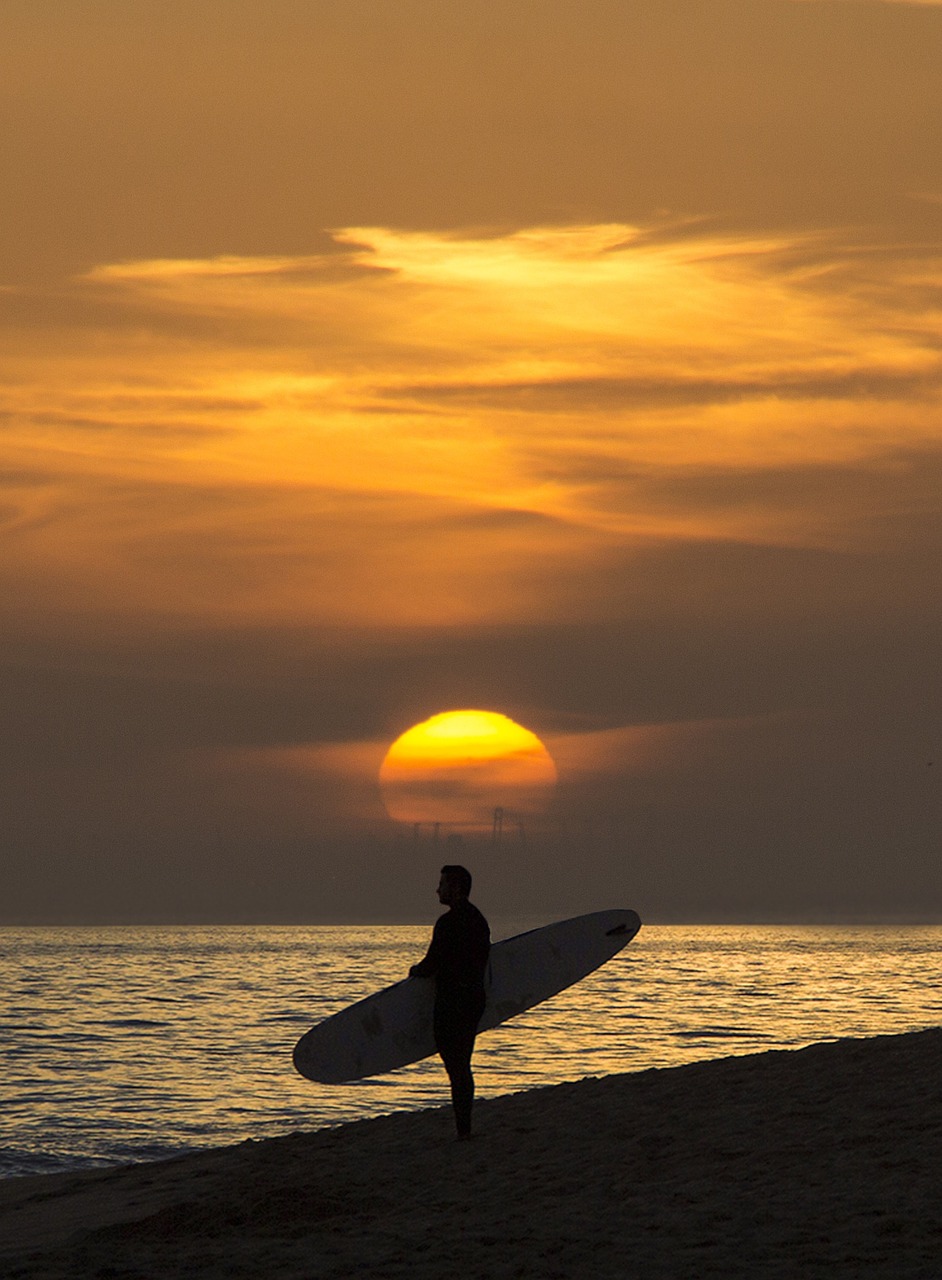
[459,766]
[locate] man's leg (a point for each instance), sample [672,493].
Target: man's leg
[456,1025]
[455,1051]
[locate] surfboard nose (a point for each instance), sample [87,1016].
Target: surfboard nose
[630,926]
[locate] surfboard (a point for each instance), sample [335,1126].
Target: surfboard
[393,1027]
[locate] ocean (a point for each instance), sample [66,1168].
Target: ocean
[136,1043]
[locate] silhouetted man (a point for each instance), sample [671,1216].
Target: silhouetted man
[457,960]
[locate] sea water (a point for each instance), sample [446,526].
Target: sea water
[120,1044]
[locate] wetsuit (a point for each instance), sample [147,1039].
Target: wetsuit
[457,960]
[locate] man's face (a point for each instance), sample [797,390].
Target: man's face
[448,894]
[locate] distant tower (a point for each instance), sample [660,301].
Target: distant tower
[498,825]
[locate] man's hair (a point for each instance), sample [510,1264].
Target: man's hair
[459,876]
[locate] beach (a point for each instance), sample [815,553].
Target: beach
[823,1161]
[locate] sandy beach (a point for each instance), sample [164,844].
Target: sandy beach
[825,1161]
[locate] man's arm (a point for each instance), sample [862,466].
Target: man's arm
[480,946]
[430,964]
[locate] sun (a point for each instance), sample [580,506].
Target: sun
[457,767]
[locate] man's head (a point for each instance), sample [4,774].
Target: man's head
[454,885]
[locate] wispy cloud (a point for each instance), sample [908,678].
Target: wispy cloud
[419,426]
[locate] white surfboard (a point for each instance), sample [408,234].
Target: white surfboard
[393,1027]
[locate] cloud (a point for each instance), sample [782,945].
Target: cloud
[244,141]
[588,394]
[463,430]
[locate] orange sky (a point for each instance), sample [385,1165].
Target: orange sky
[576,361]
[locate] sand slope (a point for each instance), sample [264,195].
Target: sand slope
[822,1162]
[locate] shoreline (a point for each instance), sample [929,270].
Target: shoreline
[819,1161]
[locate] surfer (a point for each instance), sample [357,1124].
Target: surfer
[457,960]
